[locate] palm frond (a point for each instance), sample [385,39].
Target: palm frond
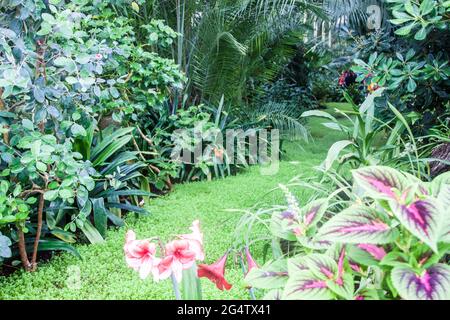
[283,117]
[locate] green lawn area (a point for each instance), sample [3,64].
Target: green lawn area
[103,272]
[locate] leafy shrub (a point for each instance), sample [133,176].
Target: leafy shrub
[388,241]
[413,64]
[370,141]
[70,71]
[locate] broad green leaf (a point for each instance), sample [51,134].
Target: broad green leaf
[100,215]
[334,151]
[403,31]
[91,233]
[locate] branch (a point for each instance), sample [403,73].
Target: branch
[38,232]
[23,251]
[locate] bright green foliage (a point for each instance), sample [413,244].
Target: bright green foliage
[413,65]
[418,18]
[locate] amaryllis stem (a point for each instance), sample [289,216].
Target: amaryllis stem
[176,288]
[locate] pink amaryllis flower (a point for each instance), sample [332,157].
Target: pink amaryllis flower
[215,272]
[179,256]
[140,255]
[195,240]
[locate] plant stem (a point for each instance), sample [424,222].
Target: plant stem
[176,288]
[22,250]
[38,232]
[251,291]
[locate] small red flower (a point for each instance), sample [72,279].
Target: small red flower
[215,272]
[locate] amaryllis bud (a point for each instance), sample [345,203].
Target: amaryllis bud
[250,261]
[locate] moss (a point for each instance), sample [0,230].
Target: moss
[102,270]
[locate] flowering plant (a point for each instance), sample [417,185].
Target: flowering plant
[391,241]
[177,261]
[347,78]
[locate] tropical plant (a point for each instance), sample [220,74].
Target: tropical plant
[68,70]
[365,133]
[413,66]
[258,36]
[388,241]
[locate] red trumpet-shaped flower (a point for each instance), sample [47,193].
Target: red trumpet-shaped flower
[215,272]
[250,261]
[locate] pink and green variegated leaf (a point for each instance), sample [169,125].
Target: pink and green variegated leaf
[441,181]
[431,284]
[296,264]
[423,218]
[305,286]
[272,275]
[443,196]
[313,212]
[344,288]
[441,189]
[274,294]
[380,182]
[357,224]
[312,243]
[282,224]
[322,266]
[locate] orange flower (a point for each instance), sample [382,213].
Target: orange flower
[373,87]
[218,153]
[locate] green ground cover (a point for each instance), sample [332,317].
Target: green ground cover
[102,269]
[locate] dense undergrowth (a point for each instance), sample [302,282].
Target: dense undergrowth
[102,270]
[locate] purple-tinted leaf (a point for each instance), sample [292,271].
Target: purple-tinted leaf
[357,224]
[360,256]
[377,252]
[313,212]
[379,182]
[344,287]
[431,284]
[321,265]
[422,218]
[296,264]
[305,286]
[282,224]
[272,275]
[312,243]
